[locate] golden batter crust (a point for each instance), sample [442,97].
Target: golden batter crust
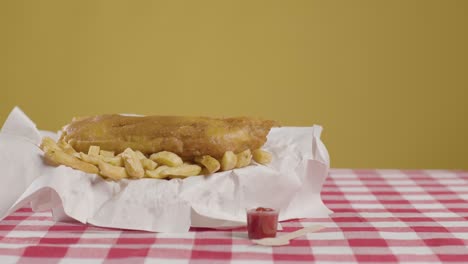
[188,137]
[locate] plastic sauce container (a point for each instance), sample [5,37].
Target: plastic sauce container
[262,222]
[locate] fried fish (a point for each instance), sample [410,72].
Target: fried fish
[188,137]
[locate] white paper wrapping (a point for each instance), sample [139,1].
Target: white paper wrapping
[291,182]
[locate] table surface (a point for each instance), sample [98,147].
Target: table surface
[379,216]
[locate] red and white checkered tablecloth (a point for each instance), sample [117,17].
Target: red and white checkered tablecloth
[380,216]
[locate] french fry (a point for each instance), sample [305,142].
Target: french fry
[48,144]
[105,153]
[67,148]
[182,171]
[135,164]
[229,161]
[116,161]
[57,156]
[132,164]
[167,158]
[93,151]
[244,158]
[90,158]
[140,155]
[148,164]
[113,172]
[156,174]
[211,164]
[51,160]
[261,156]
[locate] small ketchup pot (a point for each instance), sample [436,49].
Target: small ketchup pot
[262,222]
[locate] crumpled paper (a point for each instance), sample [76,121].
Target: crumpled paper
[291,183]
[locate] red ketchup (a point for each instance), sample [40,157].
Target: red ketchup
[262,222]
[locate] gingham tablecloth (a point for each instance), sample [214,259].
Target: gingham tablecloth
[380,216]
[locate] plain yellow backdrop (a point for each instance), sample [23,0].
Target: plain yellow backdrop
[388,80]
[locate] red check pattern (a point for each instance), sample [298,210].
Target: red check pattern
[380,216]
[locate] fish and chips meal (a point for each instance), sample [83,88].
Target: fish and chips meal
[160,147]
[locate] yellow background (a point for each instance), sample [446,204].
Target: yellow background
[388,80]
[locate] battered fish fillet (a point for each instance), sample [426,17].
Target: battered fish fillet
[188,137]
